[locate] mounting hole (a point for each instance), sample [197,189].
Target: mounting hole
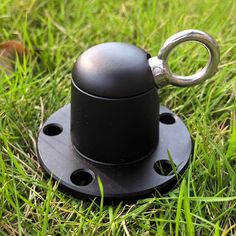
[52,129]
[167,118]
[82,177]
[163,167]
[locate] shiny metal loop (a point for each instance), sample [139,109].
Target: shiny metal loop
[159,64]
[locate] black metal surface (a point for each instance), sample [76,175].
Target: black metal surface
[113,70]
[114,131]
[78,176]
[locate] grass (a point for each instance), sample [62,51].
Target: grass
[205,201]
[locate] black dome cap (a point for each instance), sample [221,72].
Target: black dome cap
[113,70]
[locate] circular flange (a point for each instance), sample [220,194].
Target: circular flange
[79,176]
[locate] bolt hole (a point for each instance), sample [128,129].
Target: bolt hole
[163,167]
[82,177]
[167,118]
[52,129]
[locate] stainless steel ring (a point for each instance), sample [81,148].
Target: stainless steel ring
[159,64]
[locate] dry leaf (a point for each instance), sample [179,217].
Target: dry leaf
[8,52]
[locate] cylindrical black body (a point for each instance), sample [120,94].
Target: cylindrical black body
[114,105]
[114,130]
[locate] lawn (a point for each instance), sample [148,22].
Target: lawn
[56,33]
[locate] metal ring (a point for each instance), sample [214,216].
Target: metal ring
[191,35]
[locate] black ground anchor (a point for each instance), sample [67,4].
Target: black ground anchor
[115,128]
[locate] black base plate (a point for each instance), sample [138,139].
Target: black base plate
[79,177]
